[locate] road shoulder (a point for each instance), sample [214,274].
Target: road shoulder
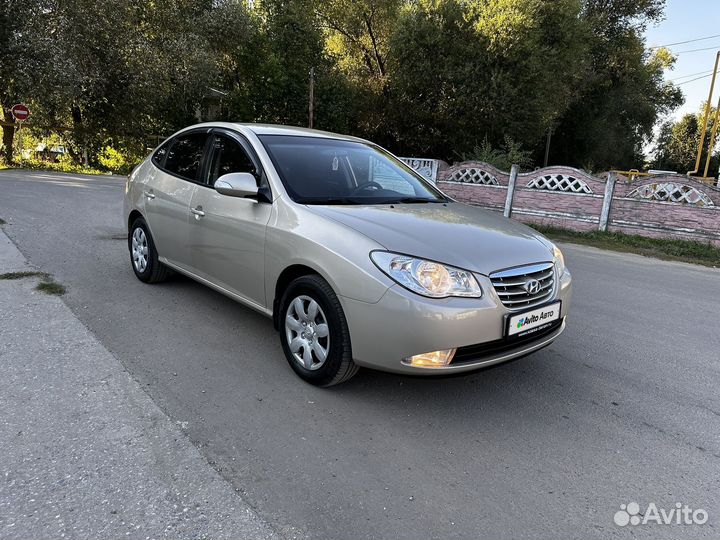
[635,258]
[84,451]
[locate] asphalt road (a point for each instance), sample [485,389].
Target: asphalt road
[623,407]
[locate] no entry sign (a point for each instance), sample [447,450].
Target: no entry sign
[20,112]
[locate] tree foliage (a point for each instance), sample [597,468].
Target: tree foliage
[466,76]
[677,144]
[437,78]
[623,93]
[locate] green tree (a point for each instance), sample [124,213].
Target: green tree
[358,35]
[623,93]
[465,71]
[677,144]
[141,67]
[112,66]
[264,55]
[21,54]
[423,77]
[357,38]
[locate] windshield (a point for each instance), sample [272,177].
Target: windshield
[331,171]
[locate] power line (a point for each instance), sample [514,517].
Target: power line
[691,75]
[716,47]
[683,42]
[695,79]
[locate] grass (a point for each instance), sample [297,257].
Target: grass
[40,165]
[51,287]
[46,285]
[667,249]
[23,275]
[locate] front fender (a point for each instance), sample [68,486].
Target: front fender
[338,253]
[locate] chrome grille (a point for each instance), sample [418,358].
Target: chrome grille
[510,285]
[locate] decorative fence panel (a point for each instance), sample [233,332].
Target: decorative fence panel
[464,173]
[667,206]
[559,196]
[463,182]
[656,206]
[424,166]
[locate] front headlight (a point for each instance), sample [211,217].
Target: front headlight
[559,260]
[428,278]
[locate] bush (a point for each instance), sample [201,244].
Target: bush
[113,160]
[509,154]
[65,164]
[120,155]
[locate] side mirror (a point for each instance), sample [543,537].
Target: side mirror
[240,184]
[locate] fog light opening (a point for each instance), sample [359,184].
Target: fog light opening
[431,359]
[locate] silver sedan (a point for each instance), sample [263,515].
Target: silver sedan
[358,260]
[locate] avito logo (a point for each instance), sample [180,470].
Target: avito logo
[527,320]
[535,318]
[630,514]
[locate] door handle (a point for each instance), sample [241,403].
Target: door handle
[197,211]
[149,194]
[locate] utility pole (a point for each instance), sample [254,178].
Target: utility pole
[311,104]
[547,147]
[706,119]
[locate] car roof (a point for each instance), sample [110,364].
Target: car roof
[276,129]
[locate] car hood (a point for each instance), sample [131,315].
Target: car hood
[457,234]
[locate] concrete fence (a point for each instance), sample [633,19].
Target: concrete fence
[671,206]
[424,166]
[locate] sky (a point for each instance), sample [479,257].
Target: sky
[689,20]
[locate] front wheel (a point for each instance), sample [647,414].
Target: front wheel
[314,333]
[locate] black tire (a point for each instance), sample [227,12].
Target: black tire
[154,271]
[338,366]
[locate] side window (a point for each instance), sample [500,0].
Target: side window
[159,155]
[228,157]
[184,157]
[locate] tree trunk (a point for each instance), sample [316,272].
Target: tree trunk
[8,136]
[78,134]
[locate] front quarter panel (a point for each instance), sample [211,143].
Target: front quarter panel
[296,236]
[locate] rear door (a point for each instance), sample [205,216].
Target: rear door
[228,233]
[168,195]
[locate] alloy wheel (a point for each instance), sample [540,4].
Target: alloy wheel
[307,332]
[139,246]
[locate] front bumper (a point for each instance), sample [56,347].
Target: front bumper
[403,324]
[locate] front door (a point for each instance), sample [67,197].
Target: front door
[227,234]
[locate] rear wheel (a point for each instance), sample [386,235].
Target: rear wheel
[144,256]
[314,333]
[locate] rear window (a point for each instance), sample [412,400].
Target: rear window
[184,157]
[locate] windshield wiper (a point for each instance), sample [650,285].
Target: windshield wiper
[412,200]
[332,200]
[364,200]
